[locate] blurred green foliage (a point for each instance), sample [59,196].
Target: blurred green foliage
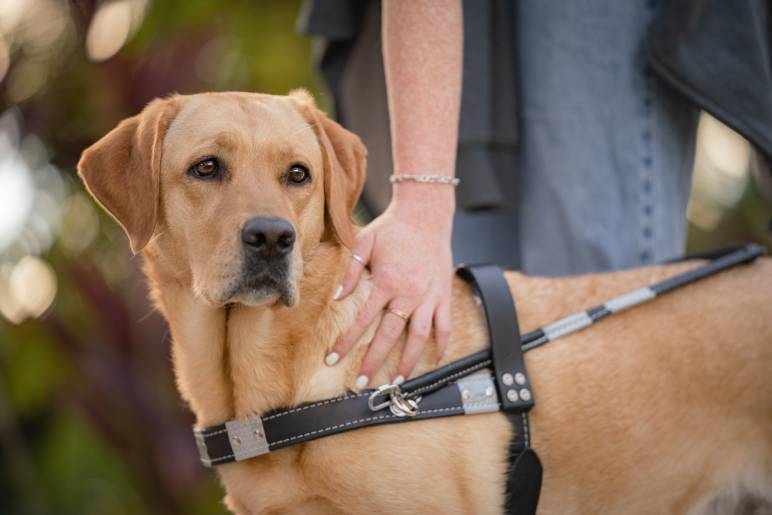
[90,421]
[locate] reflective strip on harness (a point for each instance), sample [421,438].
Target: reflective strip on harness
[478,394]
[629,300]
[567,325]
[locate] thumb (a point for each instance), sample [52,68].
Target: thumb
[363,249]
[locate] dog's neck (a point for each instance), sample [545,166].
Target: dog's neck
[243,360]
[276,354]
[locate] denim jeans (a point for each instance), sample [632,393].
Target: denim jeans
[606,149]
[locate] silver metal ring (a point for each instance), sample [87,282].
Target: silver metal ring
[401,407]
[382,391]
[398,404]
[358,258]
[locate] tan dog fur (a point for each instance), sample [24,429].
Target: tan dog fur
[663,409]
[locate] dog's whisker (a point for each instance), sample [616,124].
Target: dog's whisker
[156,236]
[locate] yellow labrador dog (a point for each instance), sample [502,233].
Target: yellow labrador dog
[240,204]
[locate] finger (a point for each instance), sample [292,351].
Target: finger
[363,250]
[442,325]
[389,331]
[418,333]
[371,309]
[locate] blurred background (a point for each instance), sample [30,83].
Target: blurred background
[90,422]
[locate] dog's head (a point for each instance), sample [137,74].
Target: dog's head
[233,190]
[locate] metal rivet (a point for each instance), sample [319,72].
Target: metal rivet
[525,394]
[466,395]
[507,379]
[236,440]
[512,395]
[489,391]
[258,434]
[520,378]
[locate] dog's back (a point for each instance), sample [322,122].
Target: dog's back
[664,409]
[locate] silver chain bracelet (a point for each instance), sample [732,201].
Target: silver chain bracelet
[427,179]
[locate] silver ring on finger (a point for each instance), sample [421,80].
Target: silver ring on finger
[358,258]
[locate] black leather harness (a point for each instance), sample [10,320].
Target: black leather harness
[511,379]
[463,387]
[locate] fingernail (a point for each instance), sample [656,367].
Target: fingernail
[338,291]
[331,358]
[399,380]
[362,382]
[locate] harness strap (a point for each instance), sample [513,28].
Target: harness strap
[504,334]
[249,437]
[514,388]
[719,260]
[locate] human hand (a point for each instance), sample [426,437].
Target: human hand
[408,252]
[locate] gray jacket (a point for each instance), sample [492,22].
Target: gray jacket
[718,54]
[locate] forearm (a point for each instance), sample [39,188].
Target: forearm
[422,52]
[407,248]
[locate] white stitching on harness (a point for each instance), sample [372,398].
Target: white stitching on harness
[359,421]
[338,426]
[481,402]
[207,435]
[480,365]
[314,405]
[526,433]
[221,458]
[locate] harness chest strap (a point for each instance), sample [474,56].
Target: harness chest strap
[238,440]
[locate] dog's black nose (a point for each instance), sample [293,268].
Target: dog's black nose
[269,237]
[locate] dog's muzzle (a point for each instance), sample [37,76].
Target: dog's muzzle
[267,246]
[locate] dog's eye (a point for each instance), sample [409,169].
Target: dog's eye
[209,168]
[298,174]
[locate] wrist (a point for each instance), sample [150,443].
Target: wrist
[425,204]
[438,196]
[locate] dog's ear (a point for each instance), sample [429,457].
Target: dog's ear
[345,161]
[122,170]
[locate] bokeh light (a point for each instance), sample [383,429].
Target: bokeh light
[17,192]
[112,25]
[32,286]
[32,193]
[721,173]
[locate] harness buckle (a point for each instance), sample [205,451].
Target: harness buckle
[397,403]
